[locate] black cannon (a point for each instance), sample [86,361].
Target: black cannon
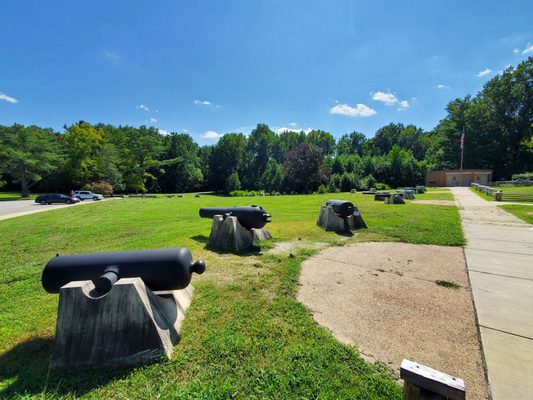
[161,269]
[249,217]
[341,207]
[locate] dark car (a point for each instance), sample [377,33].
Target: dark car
[55,198]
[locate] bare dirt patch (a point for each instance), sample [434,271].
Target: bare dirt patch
[382,298]
[435,202]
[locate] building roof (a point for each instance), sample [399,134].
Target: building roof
[458,171]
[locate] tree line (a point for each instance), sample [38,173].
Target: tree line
[498,126]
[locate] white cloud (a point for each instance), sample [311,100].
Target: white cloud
[484,72]
[516,51]
[142,107]
[7,98]
[293,124]
[163,132]
[112,56]
[360,110]
[202,102]
[212,135]
[441,86]
[404,104]
[528,49]
[153,120]
[390,99]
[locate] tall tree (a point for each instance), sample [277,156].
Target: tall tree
[351,143]
[302,167]
[323,140]
[226,157]
[259,149]
[28,154]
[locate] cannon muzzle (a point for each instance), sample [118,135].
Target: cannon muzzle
[341,207]
[161,269]
[249,217]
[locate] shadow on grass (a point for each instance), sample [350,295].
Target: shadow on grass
[344,233]
[24,371]
[252,251]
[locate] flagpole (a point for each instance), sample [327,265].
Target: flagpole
[462,150]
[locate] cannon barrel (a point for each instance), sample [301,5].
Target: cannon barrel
[161,269]
[341,207]
[249,217]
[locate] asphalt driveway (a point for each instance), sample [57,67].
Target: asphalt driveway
[16,208]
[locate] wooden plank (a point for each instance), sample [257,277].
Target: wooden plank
[432,380]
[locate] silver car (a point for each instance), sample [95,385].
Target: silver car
[87,195]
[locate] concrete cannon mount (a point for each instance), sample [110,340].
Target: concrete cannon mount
[129,325]
[228,234]
[330,221]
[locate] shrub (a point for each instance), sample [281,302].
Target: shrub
[232,183]
[322,189]
[353,191]
[524,176]
[367,182]
[382,186]
[103,188]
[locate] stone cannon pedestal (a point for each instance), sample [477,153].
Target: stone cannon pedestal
[128,325]
[228,234]
[330,221]
[394,199]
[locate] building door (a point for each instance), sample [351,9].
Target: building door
[451,180]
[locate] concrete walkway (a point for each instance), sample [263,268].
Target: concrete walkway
[499,256]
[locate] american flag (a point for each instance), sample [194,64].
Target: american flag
[463,139]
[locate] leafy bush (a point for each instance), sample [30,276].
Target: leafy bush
[322,189]
[103,188]
[368,182]
[245,193]
[382,186]
[523,176]
[353,191]
[232,183]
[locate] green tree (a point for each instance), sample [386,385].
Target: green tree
[232,183]
[28,154]
[84,144]
[323,140]
[180,166]
[259,149]
[351,143]
[272,179]
[226,157]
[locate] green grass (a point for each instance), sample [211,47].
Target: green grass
[515,189]
[447,284]
[245,335]
[482,195]
[523,212]
[6,196]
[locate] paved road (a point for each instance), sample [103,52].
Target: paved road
[499,255]
[16,208]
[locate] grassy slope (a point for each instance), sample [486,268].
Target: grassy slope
[245,335]
[482,195]
[522,212]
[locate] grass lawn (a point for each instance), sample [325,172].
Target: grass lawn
[522,212]
[245,335]
[5,196]
[509,190]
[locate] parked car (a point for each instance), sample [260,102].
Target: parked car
[55,198]
[85,195]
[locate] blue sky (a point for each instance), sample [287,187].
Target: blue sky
[210,67]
